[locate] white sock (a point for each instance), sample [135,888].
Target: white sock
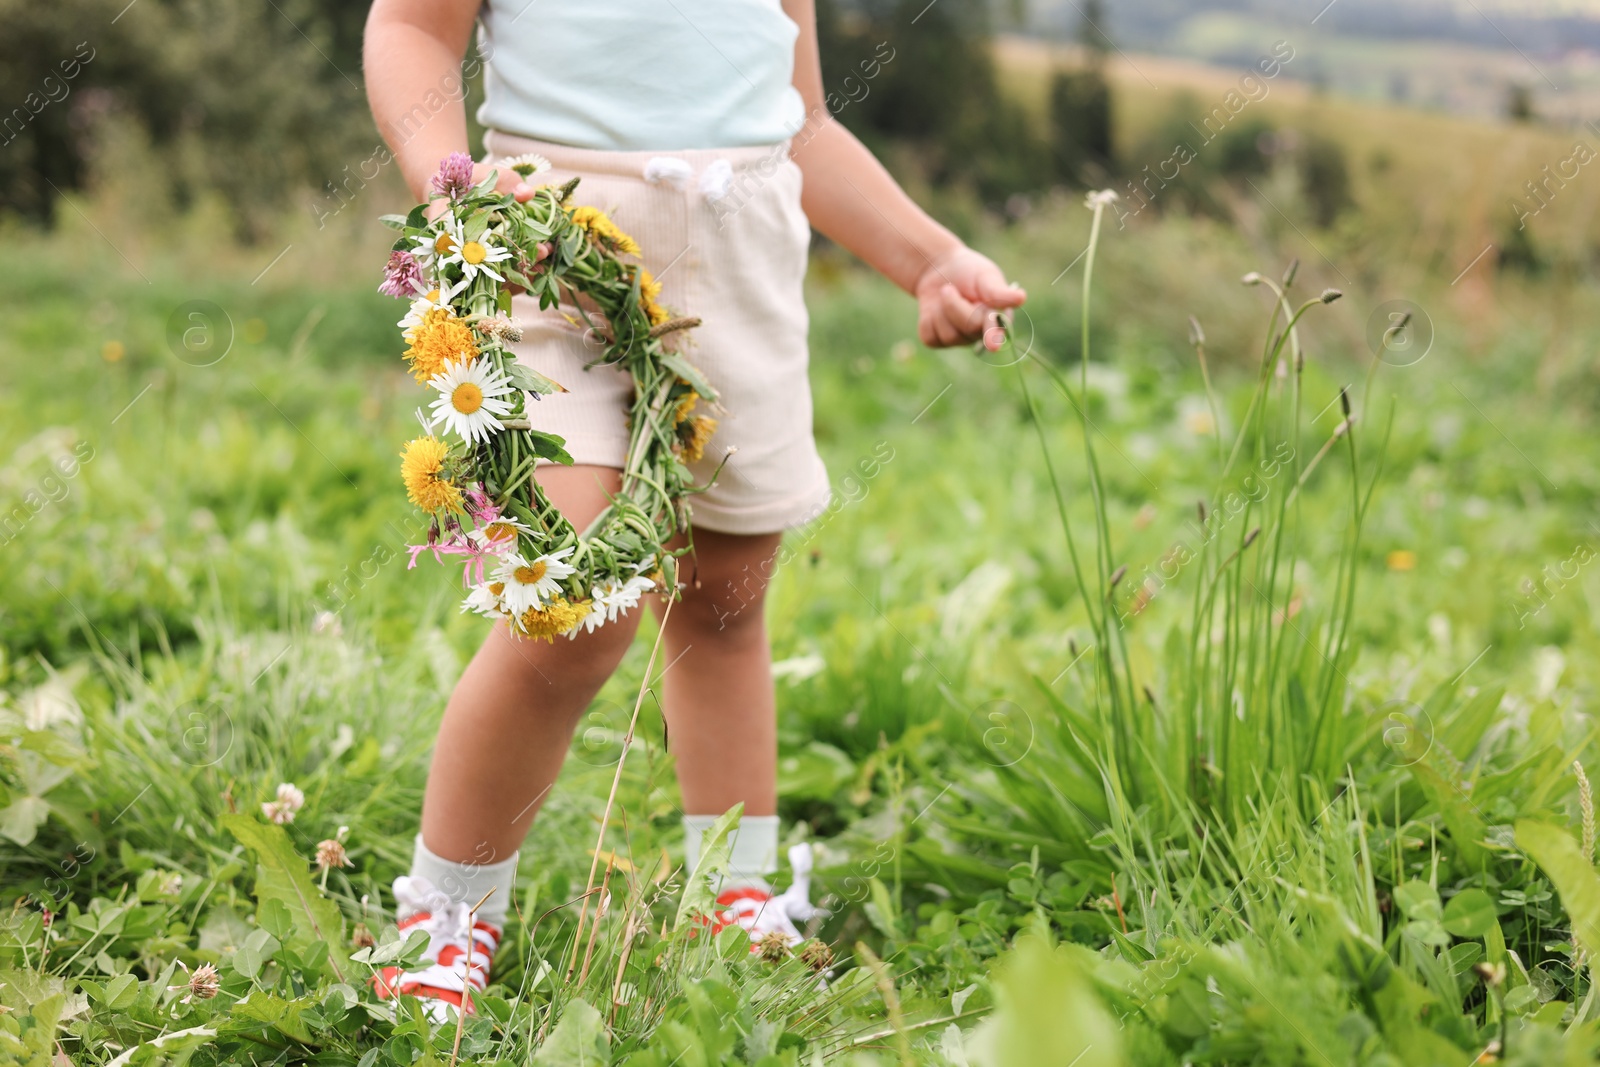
[755,848]
[468,882]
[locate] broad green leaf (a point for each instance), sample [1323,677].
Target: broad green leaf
[283,875]
[1418,900]
[1449,793]
[526,378]
[1046,1012]
[700,888]
[579,1039]
[1559,856]
[548,446]
[20,820]
[259,947]
[276,1012]
[1471,913]
[173,1049]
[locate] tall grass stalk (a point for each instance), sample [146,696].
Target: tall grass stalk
[1259,695]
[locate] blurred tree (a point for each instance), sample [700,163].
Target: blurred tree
[1324,178]
[1080,106]
[1519,103]
[920,75]
[251,100]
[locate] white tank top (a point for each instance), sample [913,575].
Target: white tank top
[640,75]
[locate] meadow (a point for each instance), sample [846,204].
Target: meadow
[1155,692]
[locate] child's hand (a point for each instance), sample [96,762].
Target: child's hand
[509,181]
[958,298]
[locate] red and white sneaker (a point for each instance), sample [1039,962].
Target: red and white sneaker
[762,913]
[456,958]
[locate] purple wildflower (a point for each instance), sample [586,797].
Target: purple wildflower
[455,176]
[402,276]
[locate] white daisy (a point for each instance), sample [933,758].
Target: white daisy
[526,165]
[486,600]
[499,535]
[470,398]
[434,247]
[615,598]
[423,304]
[475,258]
[528,584]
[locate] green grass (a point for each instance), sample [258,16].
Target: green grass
[1273,809]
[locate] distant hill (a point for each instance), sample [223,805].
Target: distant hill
[1535,26]
[1461,56]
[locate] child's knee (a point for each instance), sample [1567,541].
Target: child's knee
[734,609]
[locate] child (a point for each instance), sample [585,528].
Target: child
[681,118]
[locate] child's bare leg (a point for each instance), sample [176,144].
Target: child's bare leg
[510,720]
[718,696]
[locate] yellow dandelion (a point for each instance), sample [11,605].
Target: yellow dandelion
[438,342]
[420,467]
[694,435]
[649,288]
[557,617]
[601,228]
[649,293]
[1402,559]
[685,406]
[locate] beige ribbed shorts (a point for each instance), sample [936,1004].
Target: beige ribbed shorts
[723,232]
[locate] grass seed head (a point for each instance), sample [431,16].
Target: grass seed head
[1250,538]
[1330,295]
[1290,271]
[1252,278]
[1197,336]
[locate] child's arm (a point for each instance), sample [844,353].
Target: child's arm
[854,201]
[412,58]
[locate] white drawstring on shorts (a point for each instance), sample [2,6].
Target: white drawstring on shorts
[716,181]
[670,169]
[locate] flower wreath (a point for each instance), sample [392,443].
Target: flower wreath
[525,561]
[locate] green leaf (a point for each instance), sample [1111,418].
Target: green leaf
[548,446]
[700,888]
[1559,856]
[530,380]
[283,875]
[276,1012]
[579,1039]
[20,820]
[253,955]
[394,222]
[1418,900]
[1047,1011]
[172,1049]
[685,370]
[1471,913]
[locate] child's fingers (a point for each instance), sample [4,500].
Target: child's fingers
[964,317]
[947,319]
[989,287]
